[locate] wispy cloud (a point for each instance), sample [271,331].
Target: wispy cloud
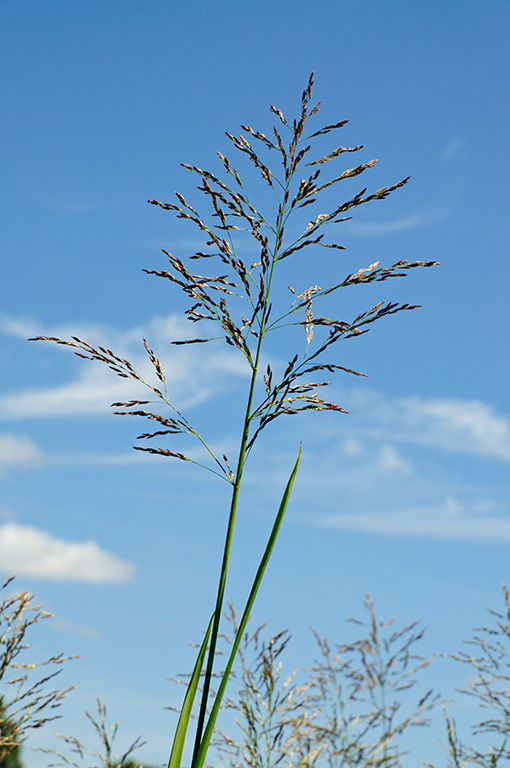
[370,456]
[196,373]
[30,552]
[447,520]
[176,243]
[80,630]
[71,206]
[100,459]
[193,374]
[17,451]
[455,150]
[390,460]
[464,426]
[451,424]
[91,392]
[428,215]
[424,218]
[374,459]
[368,476]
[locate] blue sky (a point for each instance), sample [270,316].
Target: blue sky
[407,496]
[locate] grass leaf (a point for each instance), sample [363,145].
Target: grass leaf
[185,715]
[199,760]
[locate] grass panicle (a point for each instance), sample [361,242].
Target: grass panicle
[26,703]
[352,708]
[357,689]
[488,663]
[103,758]
[237,302]
[344,711]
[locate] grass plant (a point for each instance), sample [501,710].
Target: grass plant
[25,703]
[241,303]
[358,689]
[105,756]
[356,704]
[273,714]
[352,708]
[487,661]
[345,711]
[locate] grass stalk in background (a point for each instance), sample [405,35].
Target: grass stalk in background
[351,709]
[240,300]
[26,703]
[106,757]
[358,687]
[347,710]
[488,665]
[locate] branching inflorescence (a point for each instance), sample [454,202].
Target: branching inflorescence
[216,298]
[25,703]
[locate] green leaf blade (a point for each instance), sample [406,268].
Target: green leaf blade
[199,760]
[185,715]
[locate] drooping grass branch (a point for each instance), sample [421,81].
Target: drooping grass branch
[217,297]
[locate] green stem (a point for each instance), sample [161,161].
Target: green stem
[226,554]
[209,729]
[233,505]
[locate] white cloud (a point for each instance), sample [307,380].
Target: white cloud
[92,392]
[353,447]
[97,459]
[193,373]
[466,426]
[370,459]
[18,327]
[449,520]
[74,628]
[389,460]
[452,424]
[30,552]
[196,373]
[17,450]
